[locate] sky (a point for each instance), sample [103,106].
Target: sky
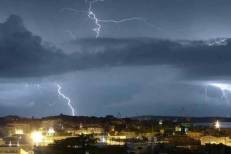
[115,57]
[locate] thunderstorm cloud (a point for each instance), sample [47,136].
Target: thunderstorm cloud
[23,54]
[165,64]
[197,59]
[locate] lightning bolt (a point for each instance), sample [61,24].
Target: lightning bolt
[98,22]
[59,90]
[93,17]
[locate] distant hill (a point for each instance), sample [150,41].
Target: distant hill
[186,119]
[109,118]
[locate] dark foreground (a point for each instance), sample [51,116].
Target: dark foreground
[88,146]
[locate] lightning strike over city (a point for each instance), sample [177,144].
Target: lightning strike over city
[115,76]
[67,99]
[117,71]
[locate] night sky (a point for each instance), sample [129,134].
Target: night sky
[152,57]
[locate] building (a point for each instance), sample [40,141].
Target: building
[90,129]
[194,135]
[18,128]
[215,140]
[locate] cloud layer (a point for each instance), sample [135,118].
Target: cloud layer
[196,58]
[22,54]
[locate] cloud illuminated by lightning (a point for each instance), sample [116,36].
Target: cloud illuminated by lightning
[224,88]
[217,42]
[66,98]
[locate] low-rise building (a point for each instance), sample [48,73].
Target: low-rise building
[215,140]
[91,129]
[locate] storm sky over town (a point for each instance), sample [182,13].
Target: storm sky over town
[117,57]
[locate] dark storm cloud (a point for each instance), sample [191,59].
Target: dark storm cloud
[195,58]
[22,53]
[181,19]
[151,73]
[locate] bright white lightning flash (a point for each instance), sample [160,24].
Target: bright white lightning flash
[224,88]
[66,98]
[93,17]
[98,22]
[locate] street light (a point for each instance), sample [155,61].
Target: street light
[217,125]
[36,137]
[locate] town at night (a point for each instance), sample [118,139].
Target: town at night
[115,77]
[115,135]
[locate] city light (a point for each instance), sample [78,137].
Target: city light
[10,144]
[102,139]
[37,137]
[19,132]
[217,125]
[51,131]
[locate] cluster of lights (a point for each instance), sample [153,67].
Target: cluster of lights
[37,137]
[42,138]
[51,131]
[19,132]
